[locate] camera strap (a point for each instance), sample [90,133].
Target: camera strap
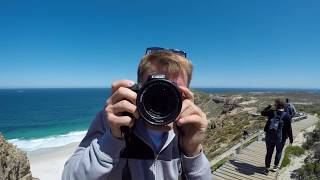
[183,174]
[126,174]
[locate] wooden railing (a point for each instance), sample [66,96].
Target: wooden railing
[236,148]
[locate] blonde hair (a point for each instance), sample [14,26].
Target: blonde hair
[172,62]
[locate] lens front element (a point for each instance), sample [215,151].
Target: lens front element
[159,102]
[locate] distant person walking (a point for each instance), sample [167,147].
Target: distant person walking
[290,109]
[277,129]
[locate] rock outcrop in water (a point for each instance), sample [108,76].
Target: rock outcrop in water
[14,163]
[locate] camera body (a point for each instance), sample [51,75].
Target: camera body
[159,100]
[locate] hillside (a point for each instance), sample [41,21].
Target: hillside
[232,116]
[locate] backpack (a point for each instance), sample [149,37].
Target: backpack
[276,121]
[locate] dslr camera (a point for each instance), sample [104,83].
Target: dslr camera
[159,100]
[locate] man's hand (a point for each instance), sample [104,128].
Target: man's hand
[192,124]
[122,100]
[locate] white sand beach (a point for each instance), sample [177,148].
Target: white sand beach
[47,164]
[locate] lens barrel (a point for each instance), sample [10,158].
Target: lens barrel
[159,101]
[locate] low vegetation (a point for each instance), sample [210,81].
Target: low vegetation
[312,138]
[311,168]
[291,151]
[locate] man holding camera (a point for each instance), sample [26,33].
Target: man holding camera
[149,130]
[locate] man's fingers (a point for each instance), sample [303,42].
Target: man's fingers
[118,121]
[189,119]
[123,93]
[189,110]
[124,106]
[185,104]
[186,93]
[122,83]
[189,107]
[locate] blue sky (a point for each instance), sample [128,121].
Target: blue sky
[92,43]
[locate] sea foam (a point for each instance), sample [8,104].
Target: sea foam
[48,142]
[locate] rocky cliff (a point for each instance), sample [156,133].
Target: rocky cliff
[14,163]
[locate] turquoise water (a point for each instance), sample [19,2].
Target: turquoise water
[35,113]
[37,118]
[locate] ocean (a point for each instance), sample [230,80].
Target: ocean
[41,118]
[256,90]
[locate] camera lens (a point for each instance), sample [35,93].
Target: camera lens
[159,102]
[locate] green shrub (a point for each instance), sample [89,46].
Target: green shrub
[286,161]
[295,150]
[291,151]
[312,137]
[309,171]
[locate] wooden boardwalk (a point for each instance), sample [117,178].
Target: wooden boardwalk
[249,163]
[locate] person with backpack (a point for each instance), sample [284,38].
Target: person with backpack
[277,128]
[290,109]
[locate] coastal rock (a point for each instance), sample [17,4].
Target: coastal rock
[219,99]
[229,103]
[14,163]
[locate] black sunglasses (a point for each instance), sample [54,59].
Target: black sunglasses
[155,49]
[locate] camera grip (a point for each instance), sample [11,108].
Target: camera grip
[125,130]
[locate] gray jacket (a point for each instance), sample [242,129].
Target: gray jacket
[100,156]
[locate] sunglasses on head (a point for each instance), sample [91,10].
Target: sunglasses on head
[157,49]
